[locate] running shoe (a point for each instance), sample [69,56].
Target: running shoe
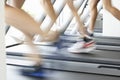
[36,71]
[82,47]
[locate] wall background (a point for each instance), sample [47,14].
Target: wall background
[111,26]
[2,43]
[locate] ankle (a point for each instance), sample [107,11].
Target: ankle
[90,31]
[87,39]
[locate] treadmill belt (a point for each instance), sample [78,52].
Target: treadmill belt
[96,56]
[13,74]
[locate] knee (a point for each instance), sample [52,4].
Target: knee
[108,7]
[107,4]
[7,7]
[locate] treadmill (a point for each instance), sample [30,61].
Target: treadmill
[105,62]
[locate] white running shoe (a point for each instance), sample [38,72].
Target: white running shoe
[80,47]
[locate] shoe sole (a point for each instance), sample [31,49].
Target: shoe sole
[86,50]
[44,43]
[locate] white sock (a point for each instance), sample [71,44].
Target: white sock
[89,31]
[88,36]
